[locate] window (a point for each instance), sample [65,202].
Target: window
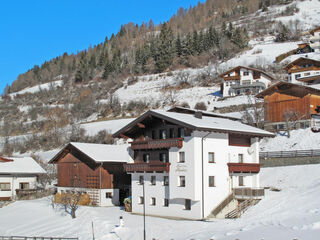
[307,74]
[180,132]
[141,180]
[141,200]
[108,195]
[172,133]
[246,73]
[211,157]
[211,181]
[153,201]
[182,181]
[181,157]
[163,157]
[153,180]
[146,157]
[298,76]
[5,186]
[23,185]
[240,158]
[187,204]
[166,202]
[166,181]
[162,134]
[241,181]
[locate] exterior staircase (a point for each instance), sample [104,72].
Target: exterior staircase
[241,208]
[94,195]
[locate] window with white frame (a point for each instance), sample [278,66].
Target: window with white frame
[211,157]
[141,200]
[153,180]
[108,195]
[5,186]
[187,204]
[182,181]
[241,182]
[211,181]
[166,202]
[240,158]
[153,201]
[181,157]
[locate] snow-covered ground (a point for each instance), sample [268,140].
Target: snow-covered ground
[38,88]
[292,213]
[301,139]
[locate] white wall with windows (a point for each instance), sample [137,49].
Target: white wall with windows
[10,183]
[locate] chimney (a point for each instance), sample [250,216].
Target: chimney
[198,114]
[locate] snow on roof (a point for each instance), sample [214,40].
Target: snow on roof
[23,165]
[104,152]
[214,123]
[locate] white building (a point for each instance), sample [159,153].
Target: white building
[190,164]
[304,71]
[94,169]
[18,174]
[242,80]
[315,39]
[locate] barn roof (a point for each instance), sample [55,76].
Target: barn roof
[23,165]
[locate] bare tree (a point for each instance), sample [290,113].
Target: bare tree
[171,97]
[73,202]
[291,118]
[254,115]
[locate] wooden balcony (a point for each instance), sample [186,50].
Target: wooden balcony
[157,143]
[245,193]
[147,167]
[230,78]
[303,69]
[244,167]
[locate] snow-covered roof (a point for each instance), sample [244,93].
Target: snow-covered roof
[104,152]
[205,123]
[23,165]
[97,152]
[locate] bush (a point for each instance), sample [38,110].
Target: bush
[185,105]
[200,106]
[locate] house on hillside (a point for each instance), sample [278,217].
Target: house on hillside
[18,174]
[315,39]
[285,102]
[95,169]
[191,165]
[304,71]
[243,80]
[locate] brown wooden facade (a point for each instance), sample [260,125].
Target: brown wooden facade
[77,170]
[285,97]
[302,65]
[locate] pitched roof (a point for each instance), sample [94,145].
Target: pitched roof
[299,60]
[206,123]
[2,159]
[317,29]
[23,165]
[249,68]
[290,89]
[98,153]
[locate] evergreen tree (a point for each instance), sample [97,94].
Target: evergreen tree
[178,46]
[82,69]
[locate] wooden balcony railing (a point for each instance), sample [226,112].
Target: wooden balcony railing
[231,78]
[147,167]
[244,193]
[244,167]
[157,143]
[303,69]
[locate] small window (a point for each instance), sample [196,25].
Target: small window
[187,204]
[166,181]
[163,157]
[141,179]
[307,74]
[153,201]
[211,181]
[211,157]
[246,73]
[172,135]
[23,185]
[181,132]
[241,181]
[153,180]
[240,158]
[181,157]
[162,134]
[146,157]
[166,202]
[5,186]
[182,181]
[108,195]
[298,76]
[141,200]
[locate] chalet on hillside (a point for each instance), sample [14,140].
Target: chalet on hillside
[243,80]
[18,175]
[189,162]
[285,101]
[304,71]
[95,169]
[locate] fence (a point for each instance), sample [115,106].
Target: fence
[34,238]
[290,154]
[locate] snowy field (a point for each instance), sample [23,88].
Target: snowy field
[292,213]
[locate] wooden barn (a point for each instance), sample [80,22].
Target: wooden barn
[285,101]
[95,169]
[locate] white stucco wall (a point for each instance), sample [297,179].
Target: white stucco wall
[14,184]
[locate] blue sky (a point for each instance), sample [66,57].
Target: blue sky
[34,31]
